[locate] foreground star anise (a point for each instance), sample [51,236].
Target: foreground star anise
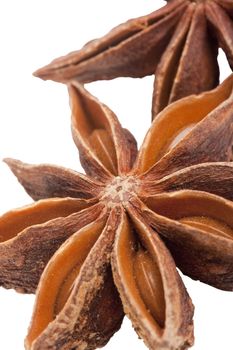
[109,221]
[180,42]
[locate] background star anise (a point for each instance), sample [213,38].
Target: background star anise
[113,217]
[178,42]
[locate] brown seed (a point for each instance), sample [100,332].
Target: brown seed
[57,282]
[150,285]
[176,138]
[192,179]
[210,225]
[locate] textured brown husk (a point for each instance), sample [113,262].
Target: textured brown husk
[90,245]
[179,43]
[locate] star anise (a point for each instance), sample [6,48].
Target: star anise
[111,222]
[179,41]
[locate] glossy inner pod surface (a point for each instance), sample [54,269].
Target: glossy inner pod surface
[210,225]
[58,282]
[177,121]
[207,213]
[102,143]
[142,277]
[149,283]
[15,221]
[91,121]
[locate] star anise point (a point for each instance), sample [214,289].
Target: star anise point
[97,240]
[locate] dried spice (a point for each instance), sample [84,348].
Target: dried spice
[98,239]
[179,41]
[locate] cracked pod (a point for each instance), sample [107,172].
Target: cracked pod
[179,43]
[101,241]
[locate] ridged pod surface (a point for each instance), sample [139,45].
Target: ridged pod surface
[179,43]
[96,246]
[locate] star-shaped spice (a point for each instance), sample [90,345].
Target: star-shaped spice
[98,239]
[179,41]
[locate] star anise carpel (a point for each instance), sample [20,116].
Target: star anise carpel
[179,43]
[94,244]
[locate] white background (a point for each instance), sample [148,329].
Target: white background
[35,127]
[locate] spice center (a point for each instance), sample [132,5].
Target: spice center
[120,190]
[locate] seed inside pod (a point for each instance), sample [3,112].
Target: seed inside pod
[210,225]
[58,282]
[176,138]
[150,285]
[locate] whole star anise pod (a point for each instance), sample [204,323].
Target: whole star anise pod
[97,239]
[179,42]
